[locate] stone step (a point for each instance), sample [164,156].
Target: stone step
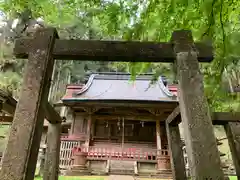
[121,164]
[121,167]
[122,171]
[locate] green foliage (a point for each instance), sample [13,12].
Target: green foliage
[209,20]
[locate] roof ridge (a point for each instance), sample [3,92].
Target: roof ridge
[117,73]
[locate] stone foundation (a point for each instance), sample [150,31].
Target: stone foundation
[79,164]
[163,163]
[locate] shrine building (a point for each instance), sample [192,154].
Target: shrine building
[118,124]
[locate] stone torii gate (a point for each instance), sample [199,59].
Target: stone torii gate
[19,161]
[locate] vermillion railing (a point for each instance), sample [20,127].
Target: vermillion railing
[96,153]
[126,153]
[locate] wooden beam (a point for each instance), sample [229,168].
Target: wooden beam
[233,133]
[113,50]
[172,118]
[8,103]
[114,117]
[67,123]
[8,108]
[218,118]
[222,118]
[166,105]
[6,119]
[52,115]
[6,123]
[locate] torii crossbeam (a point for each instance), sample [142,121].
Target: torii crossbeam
[124,51]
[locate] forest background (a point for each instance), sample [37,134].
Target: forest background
[211,21]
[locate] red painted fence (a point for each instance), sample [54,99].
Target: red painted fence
[134,154]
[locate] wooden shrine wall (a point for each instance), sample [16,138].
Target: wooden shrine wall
[133,130]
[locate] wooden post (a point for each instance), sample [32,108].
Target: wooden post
[163,136]
[20,158]
[78,128]
[109,131]
[158,138]
[204,159]
[123,127]
[175,148]
[161,158]
[89,123]
[88,137]
[93,126]
[51,166]
[71,116]
[233,133]
[63,112]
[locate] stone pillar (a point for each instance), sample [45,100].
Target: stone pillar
[42,152]
[163,160]
[202,151]
[175,149]
[233,133]
[19,162]
[51,166]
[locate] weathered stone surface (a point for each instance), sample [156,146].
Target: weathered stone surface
[130,51]
[204,160]
[175,147]
[19,162]
[233,133]
[51,166]
[163,164]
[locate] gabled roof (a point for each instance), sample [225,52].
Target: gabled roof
[119,87]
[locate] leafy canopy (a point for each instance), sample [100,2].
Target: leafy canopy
[214,21]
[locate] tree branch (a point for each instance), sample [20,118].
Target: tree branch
[211,22]
[222,27]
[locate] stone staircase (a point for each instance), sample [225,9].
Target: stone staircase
[121,167]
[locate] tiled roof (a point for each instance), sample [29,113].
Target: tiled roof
[119,87]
